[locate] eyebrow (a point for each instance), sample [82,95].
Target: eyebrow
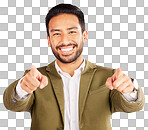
[52,30]
[72,28]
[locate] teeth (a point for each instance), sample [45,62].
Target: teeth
[68,49]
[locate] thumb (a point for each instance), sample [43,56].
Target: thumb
[44,82]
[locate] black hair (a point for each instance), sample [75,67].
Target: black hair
[68,9]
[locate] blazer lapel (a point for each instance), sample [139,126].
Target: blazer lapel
[86,78]
[57,86]
[85,81]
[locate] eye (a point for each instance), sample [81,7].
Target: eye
[56,34]
[72,32]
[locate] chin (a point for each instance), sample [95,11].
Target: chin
[68,59]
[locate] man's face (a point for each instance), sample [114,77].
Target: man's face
[66,38]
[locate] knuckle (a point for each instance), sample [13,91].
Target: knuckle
[108,80]
[124,91]
[31,91]
[124,75]
[27,76]
[32,73]
[34,88]
[43,76]
[30,86]
[107,83]
[115,84]
[46,82]
[23,86]
[22,82]
[46,78]
[129,80]
[119,89]
[37,83]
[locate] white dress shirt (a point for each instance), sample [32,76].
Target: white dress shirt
[71,96]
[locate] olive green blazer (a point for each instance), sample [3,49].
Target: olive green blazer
[96,101]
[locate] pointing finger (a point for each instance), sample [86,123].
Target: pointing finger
[33,69]
[35,72]
[118,73]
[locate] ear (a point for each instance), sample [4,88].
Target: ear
[85,36]
[48,41]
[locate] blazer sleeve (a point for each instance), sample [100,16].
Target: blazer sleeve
[120,104]
[12,103]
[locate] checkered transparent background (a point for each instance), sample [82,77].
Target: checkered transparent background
[118,37]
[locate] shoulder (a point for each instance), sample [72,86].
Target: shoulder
[101,73]
[101,69]
[105,70]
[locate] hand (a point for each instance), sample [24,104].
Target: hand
[32,80]
[120,81]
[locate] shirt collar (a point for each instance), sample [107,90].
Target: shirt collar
[81,68]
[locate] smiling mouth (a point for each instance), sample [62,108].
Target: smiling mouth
[67,50]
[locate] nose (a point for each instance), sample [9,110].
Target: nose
[64,39]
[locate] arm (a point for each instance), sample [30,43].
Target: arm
[31,81]
[19,92]
[14,104]
[121,85]
[120,104]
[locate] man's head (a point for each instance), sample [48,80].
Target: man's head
[66,32]
[68,9]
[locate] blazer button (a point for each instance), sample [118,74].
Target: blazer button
[81,126]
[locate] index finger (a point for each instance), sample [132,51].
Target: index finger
[35,72]
[118,73]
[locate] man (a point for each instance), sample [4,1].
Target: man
[71,93]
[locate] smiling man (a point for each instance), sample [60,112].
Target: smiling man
[66,40]
[72,93]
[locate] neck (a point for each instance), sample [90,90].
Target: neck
[70,67]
